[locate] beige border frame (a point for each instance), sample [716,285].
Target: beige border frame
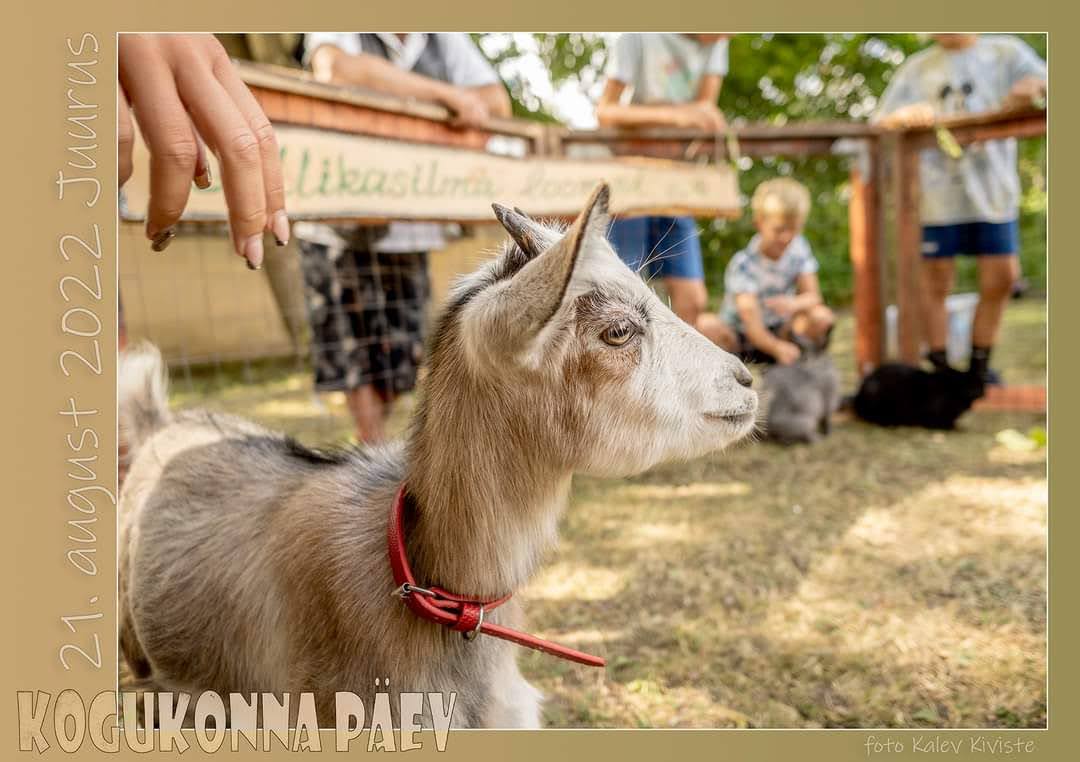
[43,587]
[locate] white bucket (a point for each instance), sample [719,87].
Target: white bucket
[961,313]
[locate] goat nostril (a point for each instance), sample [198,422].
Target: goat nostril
[743,376]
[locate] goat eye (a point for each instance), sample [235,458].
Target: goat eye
[617,335]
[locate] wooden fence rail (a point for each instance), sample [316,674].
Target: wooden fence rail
[884,172]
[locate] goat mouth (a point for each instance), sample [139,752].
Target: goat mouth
[735,419]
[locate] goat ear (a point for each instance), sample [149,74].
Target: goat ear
[529,300]
[530,236]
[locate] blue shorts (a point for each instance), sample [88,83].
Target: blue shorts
[669,246]
[974,238]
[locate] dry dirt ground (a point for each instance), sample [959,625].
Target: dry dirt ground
[880,578]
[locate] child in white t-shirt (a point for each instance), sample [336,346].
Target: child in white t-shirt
[970,204]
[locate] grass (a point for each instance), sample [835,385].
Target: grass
[879,578]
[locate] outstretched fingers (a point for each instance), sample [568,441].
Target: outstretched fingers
[147,79]
[273,185]
[186,97]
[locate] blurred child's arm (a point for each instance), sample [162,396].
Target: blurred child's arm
[707,96]
[1025,92]
[611,113]
[330,63]
[495,98]
[901,105]
[472,105]
[807,288]
[761,337]
[808,292]
[807,295]
[469,70]
[709,88]
[1026,73]
[912,115]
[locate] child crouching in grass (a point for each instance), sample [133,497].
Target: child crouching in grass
[771,291]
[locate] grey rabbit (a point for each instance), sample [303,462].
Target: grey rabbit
[802,396]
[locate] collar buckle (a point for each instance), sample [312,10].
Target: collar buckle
[408,589]
[472,634]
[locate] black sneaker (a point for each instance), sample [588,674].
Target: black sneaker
[938,360]
[992,378]
[1020,288]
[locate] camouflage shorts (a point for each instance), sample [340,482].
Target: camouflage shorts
[366,311]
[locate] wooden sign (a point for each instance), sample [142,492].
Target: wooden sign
[339,176]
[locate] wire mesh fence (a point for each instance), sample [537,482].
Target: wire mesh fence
[282,343]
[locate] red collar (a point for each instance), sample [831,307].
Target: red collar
[461,614]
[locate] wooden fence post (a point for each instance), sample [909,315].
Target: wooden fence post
[866,259]
[909,255]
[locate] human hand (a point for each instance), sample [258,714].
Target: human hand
[914,115]
[786,353]
[697,116]
[1025,93]
[712,117]
[682,116]
[782,304]
[183,91]
[469,109]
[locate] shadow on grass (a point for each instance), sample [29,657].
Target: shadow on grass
[880,578]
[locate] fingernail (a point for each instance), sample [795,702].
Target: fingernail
[203,179]
[253,251]
[161,240]
[251,266]
[280,227]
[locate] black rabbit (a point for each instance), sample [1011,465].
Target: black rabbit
[901,395]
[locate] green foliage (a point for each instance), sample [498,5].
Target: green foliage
[780,78]
[577,59]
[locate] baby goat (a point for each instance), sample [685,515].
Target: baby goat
[250,563]
[802,397]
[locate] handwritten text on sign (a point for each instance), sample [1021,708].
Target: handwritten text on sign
[332,175]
